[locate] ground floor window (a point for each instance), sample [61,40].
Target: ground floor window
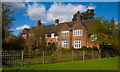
[77,44]
[65,44]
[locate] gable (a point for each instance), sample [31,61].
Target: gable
[64,27]
[78,25]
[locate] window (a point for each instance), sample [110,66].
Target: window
[93,37]
[65,44]
[65,33]
[30,34]
[24,36]
[77,44]
[77,32]
[52,35]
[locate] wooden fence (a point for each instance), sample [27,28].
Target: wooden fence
[20,58]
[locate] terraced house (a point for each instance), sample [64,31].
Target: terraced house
[67,34]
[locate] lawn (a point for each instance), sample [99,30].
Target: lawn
[96,64]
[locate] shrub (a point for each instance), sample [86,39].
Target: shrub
[84,48]
[89,48]
[53,58]
[72,48]
[63,49]
[94,48]
[51,47]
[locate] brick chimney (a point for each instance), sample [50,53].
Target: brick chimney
[112,20]
[79,16]
[38,23]
[56,21]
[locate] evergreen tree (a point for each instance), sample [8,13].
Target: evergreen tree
[85,15]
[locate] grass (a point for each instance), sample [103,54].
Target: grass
[96,64]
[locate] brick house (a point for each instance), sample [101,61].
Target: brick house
[67,34]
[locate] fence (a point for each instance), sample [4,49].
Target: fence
[20,58]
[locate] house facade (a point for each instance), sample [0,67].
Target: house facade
[67,34]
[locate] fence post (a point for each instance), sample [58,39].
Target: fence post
[22,59]
[83,55]
[99,55]
[13,58]
[60,56]
[92,54]
[43,57]
[72,56]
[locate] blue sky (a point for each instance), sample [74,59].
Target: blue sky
[27,13]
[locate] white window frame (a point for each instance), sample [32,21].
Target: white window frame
[77,44]
[93,37]
[65,44]
[52,35]
[64,33]
[24,36]
[78,32]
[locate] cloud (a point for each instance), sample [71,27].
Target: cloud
[36,11]
[22,27]
[15,6]
[56,11]
[91,7]
[20,0]
[116,22]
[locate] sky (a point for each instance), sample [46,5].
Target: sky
[27,13]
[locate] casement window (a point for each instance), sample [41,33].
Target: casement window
[64,33]
[65,44]
[93,37]
[46,35]
[24,36]
[77,32]
[30,34]
[77,44]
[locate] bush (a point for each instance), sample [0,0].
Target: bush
[89,48]
[84,48]
[53,58]
[94,48]
[63,49]
[72,48]
[51,47]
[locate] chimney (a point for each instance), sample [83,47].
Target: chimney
[38,23]
[56,21]
[112,20]
[79,16]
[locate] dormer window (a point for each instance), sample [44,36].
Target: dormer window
[64,33]
[77,32]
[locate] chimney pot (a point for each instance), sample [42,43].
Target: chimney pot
[38,23]
[56,21]
[79,16]
[112,20]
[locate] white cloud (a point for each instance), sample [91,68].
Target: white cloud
[91,7]
[20,0]
[36,11]
[116,22]
[56,11]
[15,6]
[22,27]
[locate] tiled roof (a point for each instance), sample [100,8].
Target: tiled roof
[55,28]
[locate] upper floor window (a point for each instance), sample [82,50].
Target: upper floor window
[77,32]
[65,33]
[65,44]
[24,35]
[52,35]
[93,37]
